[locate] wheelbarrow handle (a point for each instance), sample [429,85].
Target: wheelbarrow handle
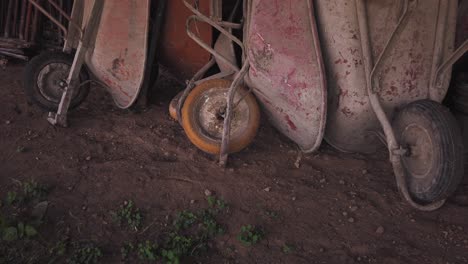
[207,47]
[201,17]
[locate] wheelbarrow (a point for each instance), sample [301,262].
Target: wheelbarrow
[388,67]
[111,42]
[218,113]
[285,74]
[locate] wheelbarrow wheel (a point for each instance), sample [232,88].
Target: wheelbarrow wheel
[203,116]
[434,160]
[173,106]
[44,77]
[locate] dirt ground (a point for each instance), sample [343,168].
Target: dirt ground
[334,208]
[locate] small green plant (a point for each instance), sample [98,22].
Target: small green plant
[129,214]
[85,254]
[176,247]
[184,220]
[271,214]
[250,235]
[30,191]
[147,251]
[216,203]
[126,250]
[210,227]
[11,198]
[287,249]
[34,191]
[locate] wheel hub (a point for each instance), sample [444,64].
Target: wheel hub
[51,81]
[211,112]
[419,157]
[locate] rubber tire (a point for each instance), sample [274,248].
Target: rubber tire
[34,67]
[447,167]
[207,144]
[173,106]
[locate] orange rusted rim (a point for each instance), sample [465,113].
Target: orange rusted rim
[203,117]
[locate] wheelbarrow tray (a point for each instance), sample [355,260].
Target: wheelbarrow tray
[286,69]
[406,75]
[119,55]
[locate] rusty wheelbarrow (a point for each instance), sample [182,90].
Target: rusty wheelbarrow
[218,113]
[389,68]
[111,42]
[286,74]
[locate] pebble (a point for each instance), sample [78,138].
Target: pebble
[293,198]
[351,220]
[267,189]
[208,192]
[353,208]
[380,230]
[342,182]
[88,158]
[7,122]
[345,214]
[192,201]
[323,180]
[364,172]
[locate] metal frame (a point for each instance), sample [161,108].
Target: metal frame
[72,83]
[224,27]
[395,149]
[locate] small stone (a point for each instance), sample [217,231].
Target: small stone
[345,213]
[88,158]
[351,220]
[231,170]
[293,198]
[342,182]
[323,180]
[322,249]
[364,172]
[7,122]
[84,208]
[267,189]
[208,192]
[353,208]
[380,230]
[412,220]
[192,201]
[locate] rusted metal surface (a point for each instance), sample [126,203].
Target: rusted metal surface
[178,52]
[118,58]
[408,70]
[286,72]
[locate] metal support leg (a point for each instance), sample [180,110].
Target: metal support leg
[60,118]
[224,153]
[73,82]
